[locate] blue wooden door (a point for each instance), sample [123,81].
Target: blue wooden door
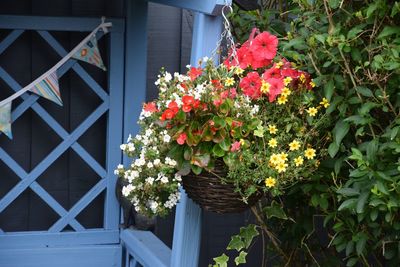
[69,240]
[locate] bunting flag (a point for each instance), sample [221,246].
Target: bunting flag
[5,119]
[48,88]
[90,53]
[47,84]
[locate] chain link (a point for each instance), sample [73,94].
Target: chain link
[227,34]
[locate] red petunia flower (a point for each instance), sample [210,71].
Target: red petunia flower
[251,85]
[173,106]
[260,62]
[217,84]
[275,89]
[235,146]
[181,139]
[150,107]
[272,73]
[264,45]
[196,103]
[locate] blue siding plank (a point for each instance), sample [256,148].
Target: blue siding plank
[9,39]
[43,239]
[187,230]
[146,248]
[210,7]
[114,128]
[79,256]
[74,24]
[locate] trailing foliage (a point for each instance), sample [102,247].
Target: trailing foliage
[352,48]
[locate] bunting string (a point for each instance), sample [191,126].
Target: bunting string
[47,84]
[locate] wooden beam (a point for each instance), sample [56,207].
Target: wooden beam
[210,7]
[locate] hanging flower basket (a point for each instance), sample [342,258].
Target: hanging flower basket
[213,194]
[256,114]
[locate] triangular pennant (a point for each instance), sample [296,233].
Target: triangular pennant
[5,119]
[90,53]
[48,88]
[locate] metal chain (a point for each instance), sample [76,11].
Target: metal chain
[227,34]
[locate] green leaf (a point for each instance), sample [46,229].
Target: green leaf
[351,262]
[361,202]
[364,91]
[373,215]
[340,131]
[241,258]
[218,151]
[360,245]
[221,261]
[349,248]
[188,152]
[334,3]
[248,233]
[333,149]
[196,169]
[382,187]
[389,30]
[372,149]
[275,210]
[219,122]
[225,144]
[348,192]
[259,131]
[236,243]
[328,89]
[348,204]
[201,160]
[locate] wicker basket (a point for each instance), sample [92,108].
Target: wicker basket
[207,190]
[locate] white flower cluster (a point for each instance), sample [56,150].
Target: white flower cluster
[150,173]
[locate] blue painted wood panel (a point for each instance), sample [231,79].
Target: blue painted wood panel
[75,256]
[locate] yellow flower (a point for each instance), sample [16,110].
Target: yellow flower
[242,142]
[286,91]
[312,111]
[272,142]
[287,80]
[312,84]
[274,159]
[294,145]
[283,156]
[302,78]
[229,81]
[279,64]
[282,99]
[265,87]
[272,129]
[324,102]
[270,182]
[298,161]
[281,167]
[309,153]
[238,70]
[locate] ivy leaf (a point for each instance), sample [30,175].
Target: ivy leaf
[275,210]
[221,261]
[248,233]
[236,243]
[241,258]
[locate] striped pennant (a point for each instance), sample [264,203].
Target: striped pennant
[48,88]
[5,119]
[90,53]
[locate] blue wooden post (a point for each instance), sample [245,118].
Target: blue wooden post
[187,231]
[135,64]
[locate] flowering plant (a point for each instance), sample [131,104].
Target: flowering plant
[256,112]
